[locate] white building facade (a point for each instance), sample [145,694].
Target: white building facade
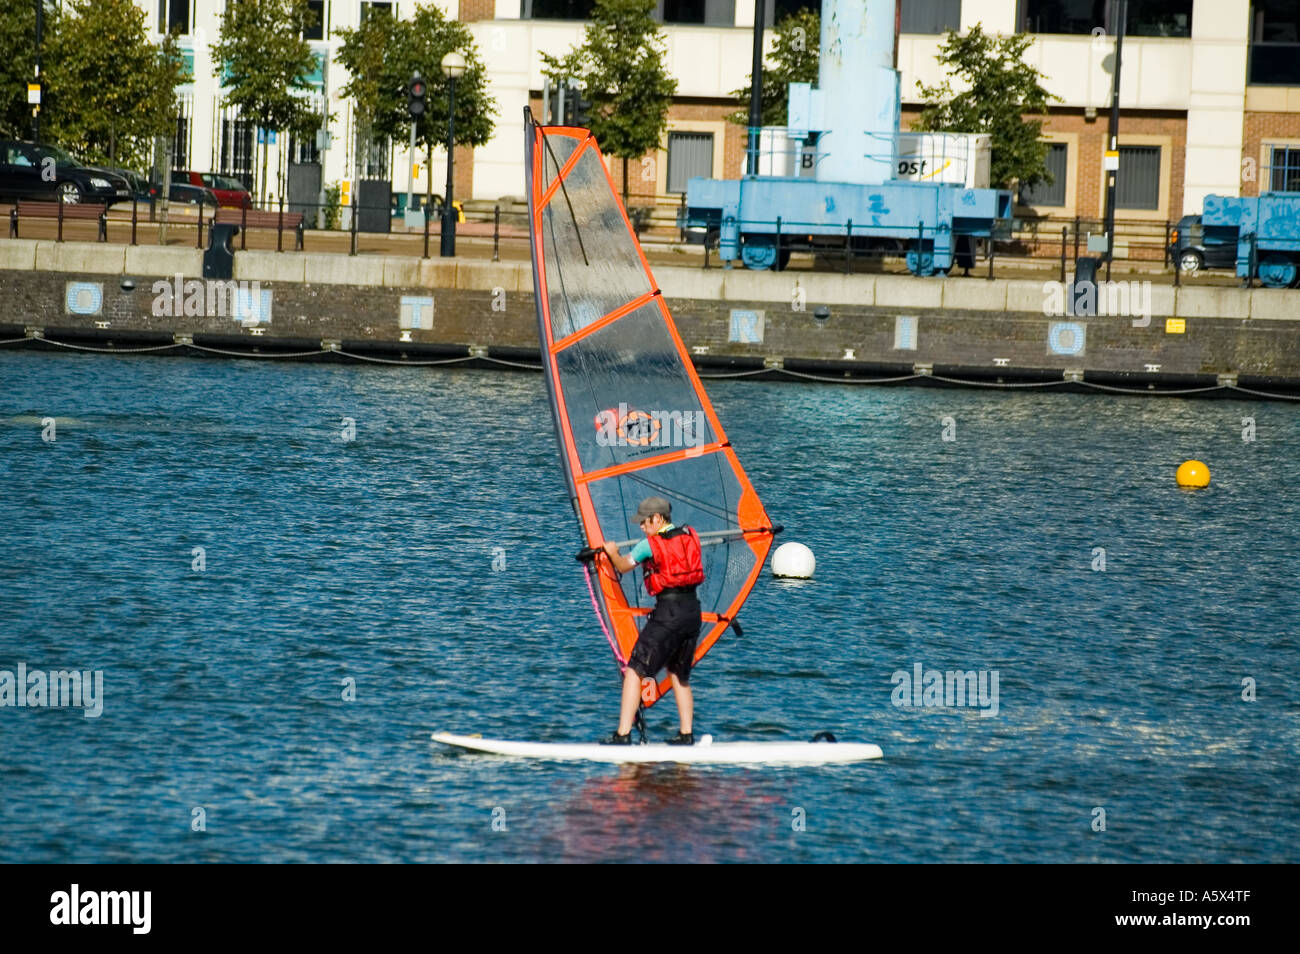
[1208,105]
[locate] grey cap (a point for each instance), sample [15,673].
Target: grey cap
[653,505]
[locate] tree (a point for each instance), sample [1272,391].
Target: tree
[263,62]
[620,66]
[1001,90]
[383,53]
[112,88]
[793,59]
[18,62]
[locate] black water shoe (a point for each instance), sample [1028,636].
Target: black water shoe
[683,738]
[616,739]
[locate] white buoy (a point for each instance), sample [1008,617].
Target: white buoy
[793,560]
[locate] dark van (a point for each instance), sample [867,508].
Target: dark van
[1191,253]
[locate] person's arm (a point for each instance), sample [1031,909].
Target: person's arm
[621,563]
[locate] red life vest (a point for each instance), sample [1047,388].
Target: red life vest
[675,560]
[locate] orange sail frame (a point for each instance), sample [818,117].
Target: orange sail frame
[745,522]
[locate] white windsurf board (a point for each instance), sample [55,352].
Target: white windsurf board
[704,751]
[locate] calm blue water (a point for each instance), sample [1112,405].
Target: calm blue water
[370,562]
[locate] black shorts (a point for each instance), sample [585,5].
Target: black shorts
[668,639]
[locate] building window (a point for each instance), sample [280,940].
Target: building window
[181,143]
[710,12]
[303,149]
[556,9]
[780,9]
[315,28]
[1284,169]
[1159,18]
[1274,43]
[372,156]
[690,154]
[683,11]
[931,16]
[236,155]
[174,16]
[371,8]
[1081,17]
[1137,184]
[1058,154]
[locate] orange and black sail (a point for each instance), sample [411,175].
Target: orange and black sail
[630,413]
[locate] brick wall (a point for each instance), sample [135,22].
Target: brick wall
[1258,128]
[367,316]
[1092,136]
[471,10]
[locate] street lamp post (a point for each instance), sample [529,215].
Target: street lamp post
[453,66]
[40,30]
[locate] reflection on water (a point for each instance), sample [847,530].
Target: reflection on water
[428,559]
[665,813]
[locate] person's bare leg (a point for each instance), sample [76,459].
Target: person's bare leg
[685,703]
[631,700]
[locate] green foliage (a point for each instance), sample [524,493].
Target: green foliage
[116,89]
[333,205]
[793,59]
[1001,88]
[620,65]
[383,53]
[262,59]
[17,64]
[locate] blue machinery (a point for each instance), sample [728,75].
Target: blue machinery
[854,195]
[1266,231]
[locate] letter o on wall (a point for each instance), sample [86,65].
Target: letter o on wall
[84,298]
[1066,337]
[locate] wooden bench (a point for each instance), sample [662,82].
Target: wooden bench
[59,210]
[256,219]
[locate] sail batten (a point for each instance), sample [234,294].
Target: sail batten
[631,415]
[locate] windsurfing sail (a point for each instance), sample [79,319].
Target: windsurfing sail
[631,416]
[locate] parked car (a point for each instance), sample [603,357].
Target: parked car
[30,170]
[229,191]
[1190,251]
[141,188]
[183,192]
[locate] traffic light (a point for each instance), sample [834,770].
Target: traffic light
[578,107]
[415,93]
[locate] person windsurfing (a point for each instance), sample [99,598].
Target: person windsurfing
[673,568]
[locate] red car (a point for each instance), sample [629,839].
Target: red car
[229,191]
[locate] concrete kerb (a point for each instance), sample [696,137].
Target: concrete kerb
[327,269]
[1274,304]
[975,293]
[747,285]
[1212,303]
[486,276]
[1164,301]
[437,273]
[157,260]
[18,254]
[401,272]
[253,266]
[701,283]
[90,257]
[1025,296]
[899,291]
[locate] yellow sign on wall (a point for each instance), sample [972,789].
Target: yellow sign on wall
[1175,326]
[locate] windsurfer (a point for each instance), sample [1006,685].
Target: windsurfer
[673,569]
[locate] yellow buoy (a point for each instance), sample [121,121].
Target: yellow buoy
[1193,473]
